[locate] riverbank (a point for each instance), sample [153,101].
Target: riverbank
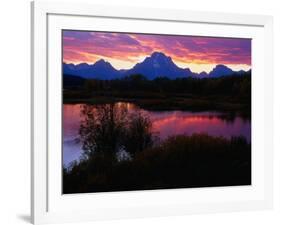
[179,162]
[230,93]
[157,102]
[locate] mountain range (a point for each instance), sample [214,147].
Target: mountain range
[155,65]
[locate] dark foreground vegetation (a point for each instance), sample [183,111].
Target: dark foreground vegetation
[229,93]
[179,162]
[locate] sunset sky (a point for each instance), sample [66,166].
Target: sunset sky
[124,50]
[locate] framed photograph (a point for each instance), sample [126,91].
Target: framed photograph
[149,112]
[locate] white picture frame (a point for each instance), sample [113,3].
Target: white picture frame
[48,205]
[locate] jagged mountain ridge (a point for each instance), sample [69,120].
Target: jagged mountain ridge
[155,65]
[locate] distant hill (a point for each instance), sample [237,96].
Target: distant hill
[156,65]
[99,70]
[221,70]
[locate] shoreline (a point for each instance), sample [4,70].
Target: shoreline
[170,103]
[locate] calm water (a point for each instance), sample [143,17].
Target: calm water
[165,123]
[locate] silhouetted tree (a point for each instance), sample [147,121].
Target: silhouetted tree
[107,128]
[138,133]
[102,128]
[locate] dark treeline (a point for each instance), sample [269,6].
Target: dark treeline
[228,93]
[227,85]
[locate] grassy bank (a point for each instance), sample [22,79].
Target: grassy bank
[179,162]
[156,102]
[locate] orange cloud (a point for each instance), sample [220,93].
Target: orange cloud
[124,50]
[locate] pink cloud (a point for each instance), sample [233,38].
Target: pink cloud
[80,46]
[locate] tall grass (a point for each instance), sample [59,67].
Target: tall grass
[178,162]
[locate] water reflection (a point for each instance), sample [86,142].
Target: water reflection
[165,123]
